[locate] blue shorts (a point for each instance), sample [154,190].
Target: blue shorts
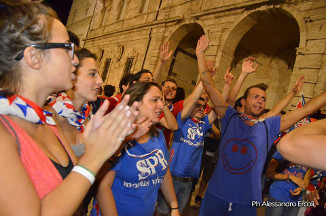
[213,206]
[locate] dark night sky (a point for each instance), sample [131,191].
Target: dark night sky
[62,7]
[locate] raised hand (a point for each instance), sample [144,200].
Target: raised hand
[142,127]
[228,77]
[298,85]
[165,52]
[99,116]
[202,44]
[103,135]
[248,65]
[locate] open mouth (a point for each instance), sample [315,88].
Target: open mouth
[158,114]
[259,108]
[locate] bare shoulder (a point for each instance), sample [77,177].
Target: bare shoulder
[7,140]
[16,188]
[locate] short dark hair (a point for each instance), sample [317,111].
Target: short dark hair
[139,73]
[169,80]
[109,90]
[202,99]
[238,102]
[261,86]
[180,95]
[125,80]
[74,38]
[84,53]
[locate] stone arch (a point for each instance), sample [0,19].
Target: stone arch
[183,39]
[279,58]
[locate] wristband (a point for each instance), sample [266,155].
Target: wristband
[288,179]
[175,208]
[86,169]
[84,172]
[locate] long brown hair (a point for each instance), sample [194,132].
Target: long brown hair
[22,23]
[137,92]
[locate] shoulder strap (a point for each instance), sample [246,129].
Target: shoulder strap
[266,138]
[227,124]
[6,123]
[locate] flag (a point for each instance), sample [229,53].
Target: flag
[304,121]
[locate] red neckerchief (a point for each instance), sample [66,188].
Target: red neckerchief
[23,108]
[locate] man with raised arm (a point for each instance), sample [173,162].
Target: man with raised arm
[236,182]
[187,148]
[247,68]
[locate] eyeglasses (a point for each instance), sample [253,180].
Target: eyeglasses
[201,106]
[69,46]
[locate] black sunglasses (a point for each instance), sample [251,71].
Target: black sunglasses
[69,46]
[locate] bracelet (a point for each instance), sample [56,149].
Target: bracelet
[86,169]
[175,208]
[84,172]
[288,179]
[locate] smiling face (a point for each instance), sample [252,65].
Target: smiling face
[58,65]
[255,103]
[170,89]
[239,156]
[88,80]
[151,105]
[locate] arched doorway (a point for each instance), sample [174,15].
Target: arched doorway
[183,67]
[271,36]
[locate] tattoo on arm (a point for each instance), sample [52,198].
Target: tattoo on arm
[219,107]
[204,81]
[204,72]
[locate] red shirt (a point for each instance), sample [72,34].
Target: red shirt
[114,101]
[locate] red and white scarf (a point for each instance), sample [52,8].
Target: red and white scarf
[23,108]
[65,108]
[246,117]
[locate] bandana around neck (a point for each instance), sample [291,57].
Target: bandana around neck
[23,108]
[65,108]
[246,117]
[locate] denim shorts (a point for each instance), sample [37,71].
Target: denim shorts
[182,189]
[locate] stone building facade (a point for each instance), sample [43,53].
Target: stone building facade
[287,38]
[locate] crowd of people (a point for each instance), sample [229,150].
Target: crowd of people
[69,144]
